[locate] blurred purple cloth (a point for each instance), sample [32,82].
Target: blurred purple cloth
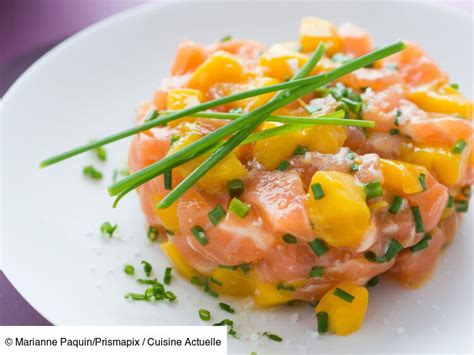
[28,28]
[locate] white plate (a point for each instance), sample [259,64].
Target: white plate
[89,86]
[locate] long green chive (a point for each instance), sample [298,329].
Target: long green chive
[461,206]
[92,172]
[204,314]
[319,80]
[459,146]
[374,281]
[108,229]
[373,190]
[239,208]
[323,322]
[199,234]
[316,271]
[167,277]
[282,287]
[226,307]
[396,204]
[235,188]
[284,164]
[318,192]
[419,228]
[422,180]
[167,179]
[129,269]
[300,150]
[394,247]
[146,267]
[319,247]
[343,295]
[216,214]
[135,296]
[273,337]
[422,244]
[247,123]
[289,239]
[152,233]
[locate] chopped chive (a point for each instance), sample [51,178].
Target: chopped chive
[146,267]
[394,247]
[394,131]
[422,180]
[245,268]
[147,281]
[343,295]
[415,210]
[226,307]
[282,287]
[235,187]
[198,281]
[373,281]
[273,337]
[319,247]
[151,115]
[149,293]
[373,190]
[129,269]
[461,206]
[459,146]
[135,296]
[450,202]
[289,239]
[167,277]
[107,229]
[152,233]
[101,153]
[354,167]
[316,271]
[204,314]
[226,38]
[230,327]
[354,106]
[217,282]
[300,150]
[239,208]
[216,215]
[284,164]
[168,179]
[228,267]
[174,138]
[170,296]
[92,172]
[422,244]
[372,257]
[397,203]
[351,155]
[323,322]
[199,234]
[454,86]
[318,192]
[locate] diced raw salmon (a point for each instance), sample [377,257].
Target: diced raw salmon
[355,40]
[188,57]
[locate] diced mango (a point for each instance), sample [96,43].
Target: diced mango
[401,177]
[178,99]
[179,262]
[314,30]
[267,294]
[234,282]
[215,180]
[448,167]
[281,62]
[324,139]
[344,317]
[252,103]
[342,217]
[444,100]
[219,67]
[168,216]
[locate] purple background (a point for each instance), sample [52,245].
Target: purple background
[29,28]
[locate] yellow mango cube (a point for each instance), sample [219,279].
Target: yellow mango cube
[344,317]
[281,62]
[444,100]
[401,177]
[221,67]
[315,30]
[234,282]
[324,139]
[179,262]
[341,217]
[267,294]
[252,103]
[178,99]
[168,216]
[447,167]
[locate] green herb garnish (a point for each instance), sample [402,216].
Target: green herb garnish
[343,295]
[226,307]
[289,239]
[216,214]
[422,244]
[152,233]
[316,271]
[200,235]
[239,208]
[129,269]
[167,277]
[373,190]
[108,229]
[284,164]
[92,172]
[373,281]
[300,150]
[204,314]
[397,203]
[235,188]
[459,146]
[318,192]
[319,247]
[146,267]
[419,228]
[273,337]
[323,322]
